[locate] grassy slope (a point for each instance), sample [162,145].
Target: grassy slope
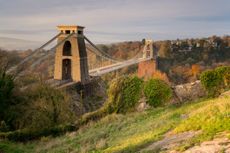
[129,133]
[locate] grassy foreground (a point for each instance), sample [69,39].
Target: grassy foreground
[131,132]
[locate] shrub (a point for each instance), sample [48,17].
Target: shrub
[3,127]
[227,80]
[44,107]
[123,94]
[6,92]
[211,81]
[92,116]
[214,81]
[27,134]
[224,72]
[157,92]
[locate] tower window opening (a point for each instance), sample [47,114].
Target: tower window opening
[67,49]
[66,69]
[67,31]
[79,32]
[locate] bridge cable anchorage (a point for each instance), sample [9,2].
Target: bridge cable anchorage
[100,51]
[33,53]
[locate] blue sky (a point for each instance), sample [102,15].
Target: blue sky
[115,20]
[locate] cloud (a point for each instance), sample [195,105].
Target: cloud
[109,20]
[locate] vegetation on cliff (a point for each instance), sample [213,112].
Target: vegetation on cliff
[134,131]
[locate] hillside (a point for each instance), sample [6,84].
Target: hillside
[17,44]
[137,132]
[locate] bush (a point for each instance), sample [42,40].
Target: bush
[211,81]
[224,73]
[157,92]
[44,107]
[6,92]
[92,116]
[227,80]
[123,94]
[3,127]
[214,81]
[27,134]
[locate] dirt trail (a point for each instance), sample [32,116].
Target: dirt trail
[218,145]
[169,141]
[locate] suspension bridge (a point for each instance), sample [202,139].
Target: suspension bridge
[71,64]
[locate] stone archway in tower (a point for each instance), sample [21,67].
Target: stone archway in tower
[67,49]
[66,69]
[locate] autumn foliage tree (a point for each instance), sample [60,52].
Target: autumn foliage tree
[195,70]
[165,50]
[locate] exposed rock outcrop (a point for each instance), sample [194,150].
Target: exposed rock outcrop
[142,105]
[188,92]
[93,100]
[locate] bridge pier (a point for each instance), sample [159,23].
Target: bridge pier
[71,56]
[146,69]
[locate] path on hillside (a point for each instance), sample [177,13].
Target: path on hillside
[220,144]
[169,141]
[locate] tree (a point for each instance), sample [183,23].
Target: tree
[157,92]
[123,94]
[195,70]
[201,42]
[6,91]
[44,107]
[6,88]
[165,50]
[211,81]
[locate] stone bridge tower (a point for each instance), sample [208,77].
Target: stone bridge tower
[71,57]
[148,49]
[148,68]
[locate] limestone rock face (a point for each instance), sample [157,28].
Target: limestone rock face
[227,93]
[217,145]
[142,105]
[94,99]
[188,91]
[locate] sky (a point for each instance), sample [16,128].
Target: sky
[109,21]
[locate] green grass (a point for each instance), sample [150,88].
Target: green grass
[131,132]
[211,119]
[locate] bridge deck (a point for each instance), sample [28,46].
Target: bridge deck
[106,69]
[103,70]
